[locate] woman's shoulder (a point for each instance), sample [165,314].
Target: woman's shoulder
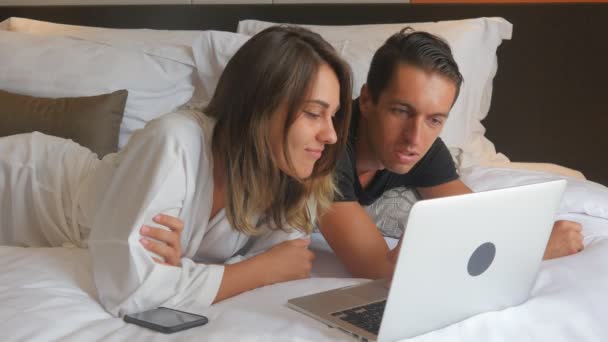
[187,122]
[185,128]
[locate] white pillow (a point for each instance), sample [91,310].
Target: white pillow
[60,66]
[164,43]
[208,51]
[212,51]
[541,167]
[473,42]
[580,197]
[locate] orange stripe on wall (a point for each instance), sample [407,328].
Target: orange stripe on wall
[502,1]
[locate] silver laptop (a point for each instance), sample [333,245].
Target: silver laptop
[460,256]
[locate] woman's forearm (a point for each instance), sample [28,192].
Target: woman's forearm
[240,277]
[288,260]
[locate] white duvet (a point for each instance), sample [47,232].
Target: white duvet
[48,293]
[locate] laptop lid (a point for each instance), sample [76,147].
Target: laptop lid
[468,254]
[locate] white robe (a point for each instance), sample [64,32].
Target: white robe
[55,192]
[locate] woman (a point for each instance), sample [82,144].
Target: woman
[257,164]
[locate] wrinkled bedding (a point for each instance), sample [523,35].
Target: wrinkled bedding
[48,293]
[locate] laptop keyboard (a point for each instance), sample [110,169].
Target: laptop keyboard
[366,317]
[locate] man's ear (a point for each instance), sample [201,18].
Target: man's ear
[365,100]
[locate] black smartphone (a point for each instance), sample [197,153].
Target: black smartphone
[166,320]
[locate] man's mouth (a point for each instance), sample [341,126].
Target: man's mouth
[407,157]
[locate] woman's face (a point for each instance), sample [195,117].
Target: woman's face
[313,127]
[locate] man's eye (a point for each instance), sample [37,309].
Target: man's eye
[436,122]
[399,111]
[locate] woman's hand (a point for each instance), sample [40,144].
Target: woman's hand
[289,260]
[169,245]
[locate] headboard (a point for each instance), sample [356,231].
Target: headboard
[549,102]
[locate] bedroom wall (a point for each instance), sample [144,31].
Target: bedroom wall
[159,2]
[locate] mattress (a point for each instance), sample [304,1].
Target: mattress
[48,293]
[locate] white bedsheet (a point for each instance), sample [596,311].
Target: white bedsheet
[48,294]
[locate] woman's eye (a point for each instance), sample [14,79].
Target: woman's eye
[312,114]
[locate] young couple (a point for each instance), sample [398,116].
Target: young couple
[237,189]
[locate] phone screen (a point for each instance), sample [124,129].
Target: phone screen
[166,318]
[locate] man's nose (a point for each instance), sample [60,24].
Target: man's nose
[413,131]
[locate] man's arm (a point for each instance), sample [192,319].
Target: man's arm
[358,243]
[566,237]
[452,188]
[356,240]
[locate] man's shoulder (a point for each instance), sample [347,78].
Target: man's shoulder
[346,159]
[345,175]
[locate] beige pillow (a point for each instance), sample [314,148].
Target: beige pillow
[91,121]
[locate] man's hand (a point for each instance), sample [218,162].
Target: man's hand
[566,239]
[394,253]
[392,256]
[169,245]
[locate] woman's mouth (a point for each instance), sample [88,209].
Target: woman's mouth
[315,153]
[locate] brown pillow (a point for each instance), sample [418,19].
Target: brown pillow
[91,121]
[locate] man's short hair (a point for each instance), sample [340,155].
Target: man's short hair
[416,48]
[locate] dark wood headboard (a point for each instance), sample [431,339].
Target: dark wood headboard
[550,98]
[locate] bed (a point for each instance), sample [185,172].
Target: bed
[537,93]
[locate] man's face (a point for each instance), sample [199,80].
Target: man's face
[408,116]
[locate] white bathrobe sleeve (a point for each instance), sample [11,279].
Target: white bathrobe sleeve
[150,175]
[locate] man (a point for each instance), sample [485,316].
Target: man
[394,141]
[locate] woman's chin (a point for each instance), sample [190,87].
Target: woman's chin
[299,172]
[304,173]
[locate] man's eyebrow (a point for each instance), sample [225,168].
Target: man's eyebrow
[401,103]
[405,104]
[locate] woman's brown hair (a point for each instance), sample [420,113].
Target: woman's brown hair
[273,71]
